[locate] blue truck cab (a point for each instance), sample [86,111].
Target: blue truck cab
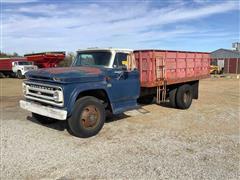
[98,81]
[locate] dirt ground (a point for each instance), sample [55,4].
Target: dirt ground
[154,142]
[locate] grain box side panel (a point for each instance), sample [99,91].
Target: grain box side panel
[190,65]
[180,66]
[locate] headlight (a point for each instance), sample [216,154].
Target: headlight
[24,88]
[58,96]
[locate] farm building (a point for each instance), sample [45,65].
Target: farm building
[228,60]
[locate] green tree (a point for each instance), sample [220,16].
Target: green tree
[15,54]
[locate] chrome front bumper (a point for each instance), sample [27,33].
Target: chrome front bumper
[44,110]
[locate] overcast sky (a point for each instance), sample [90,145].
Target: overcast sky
[67,25]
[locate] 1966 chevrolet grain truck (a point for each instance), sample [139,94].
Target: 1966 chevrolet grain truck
[114,80]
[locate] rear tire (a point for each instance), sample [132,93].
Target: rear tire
[43,119]
[184,96]
[87,118]
[172,97]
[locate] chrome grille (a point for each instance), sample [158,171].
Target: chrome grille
[44,93]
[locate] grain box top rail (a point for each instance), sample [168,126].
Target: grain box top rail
[46,53]
[165,50]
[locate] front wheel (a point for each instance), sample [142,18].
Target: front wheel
[20,75]
[87,118]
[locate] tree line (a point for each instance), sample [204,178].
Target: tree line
[6,55]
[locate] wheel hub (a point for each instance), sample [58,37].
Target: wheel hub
[90,116]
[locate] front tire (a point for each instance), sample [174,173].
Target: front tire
[43,119]
[184,96]
[19,75]
[87,118]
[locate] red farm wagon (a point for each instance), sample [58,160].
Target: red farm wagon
[46,59]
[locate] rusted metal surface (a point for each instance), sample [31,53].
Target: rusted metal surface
[87,70]
[173,66]
[90,117]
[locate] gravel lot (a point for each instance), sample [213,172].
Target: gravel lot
[155,142]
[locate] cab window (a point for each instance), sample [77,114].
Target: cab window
[120,60]
[93,58]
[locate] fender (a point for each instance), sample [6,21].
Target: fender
[81,88]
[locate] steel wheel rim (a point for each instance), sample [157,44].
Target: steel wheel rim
[90,117]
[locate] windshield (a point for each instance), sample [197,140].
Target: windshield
[93,58]
[24,63]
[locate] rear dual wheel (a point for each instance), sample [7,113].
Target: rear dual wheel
[87,118]
[172,97]
[181,97]
[184,96]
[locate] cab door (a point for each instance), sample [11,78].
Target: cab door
[125,84]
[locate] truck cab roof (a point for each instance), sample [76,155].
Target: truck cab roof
[113,52]
[107,49]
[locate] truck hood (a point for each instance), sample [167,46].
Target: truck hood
[67,74]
